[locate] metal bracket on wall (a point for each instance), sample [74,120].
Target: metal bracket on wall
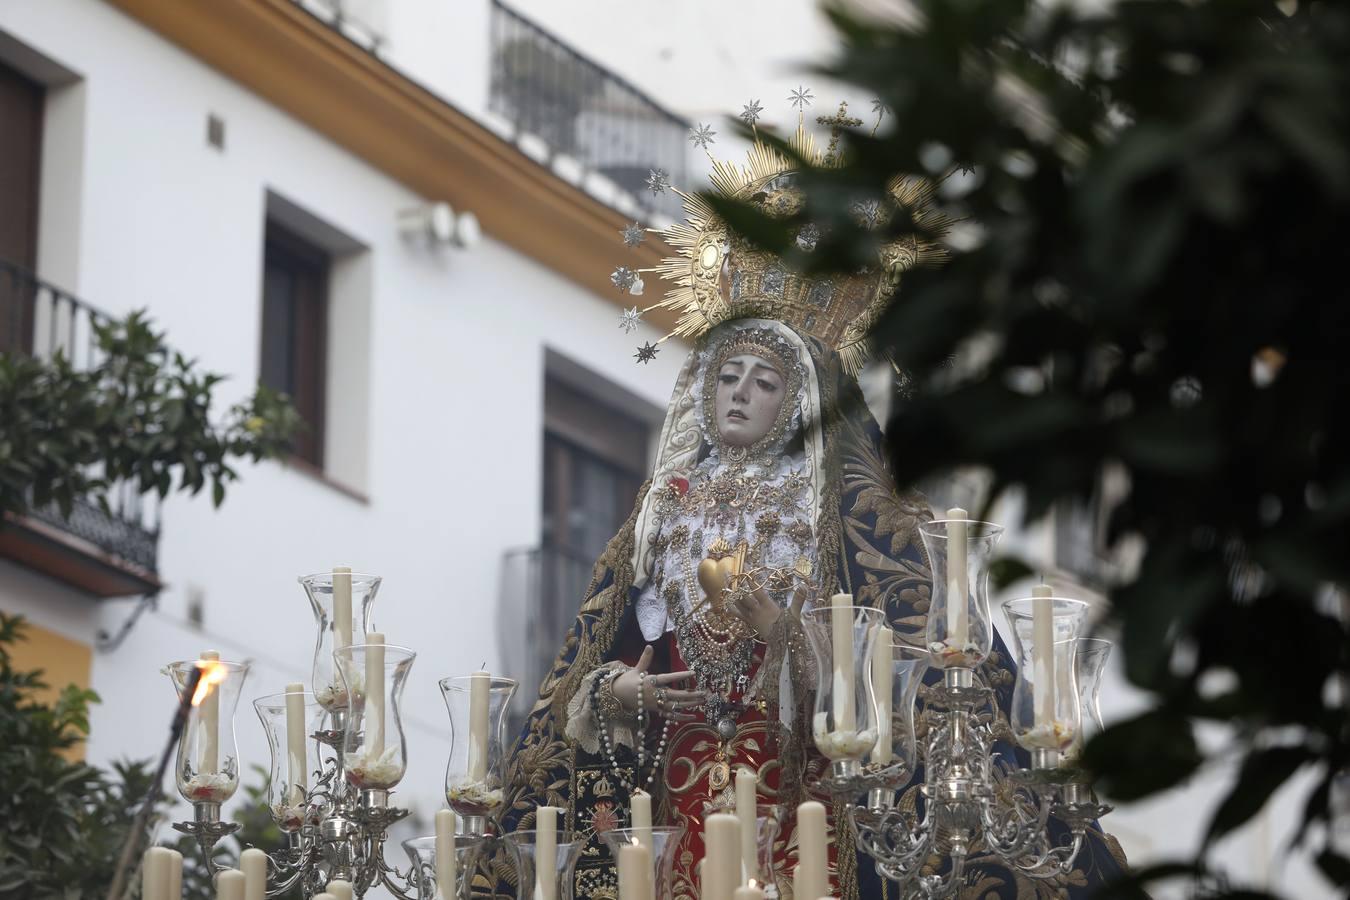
[107,643]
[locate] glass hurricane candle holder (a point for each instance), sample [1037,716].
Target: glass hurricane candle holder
[535,875]
[422,854]
[665,841]
[207,768]
[376,751]
[843,721]
[477,706]
[341,602]
[1090,656]
[768,823]
[959,633]
[892,761]
[1045,704]
[293,770]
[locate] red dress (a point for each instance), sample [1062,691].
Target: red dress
[698,774]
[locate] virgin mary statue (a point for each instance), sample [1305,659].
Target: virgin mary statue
[769,475]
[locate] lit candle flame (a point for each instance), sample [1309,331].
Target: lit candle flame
[213,673]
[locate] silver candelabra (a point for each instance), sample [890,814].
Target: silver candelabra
[963,802]
[342,837]
[968,795]
[338,752]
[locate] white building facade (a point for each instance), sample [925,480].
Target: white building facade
[432,461]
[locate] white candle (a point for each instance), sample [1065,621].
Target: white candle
[210,718]
[324,895]
[883,673]
[1043,655]
[230,885]
[445,854]
[635,872]
[253,863]
[813,878]
[175,890]
[374,693]
[721,856]
[340,890]
[958,588]
[841,627]
[642,817]
[342,607]
[298,767]
[746,781]
[479,686]
[545,852]
[155,874]
[748,893]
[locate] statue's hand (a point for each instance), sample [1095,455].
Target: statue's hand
[659,694]
[758,610]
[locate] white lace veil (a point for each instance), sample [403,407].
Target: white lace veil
[681,440]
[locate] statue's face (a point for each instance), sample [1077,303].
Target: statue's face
[749,396]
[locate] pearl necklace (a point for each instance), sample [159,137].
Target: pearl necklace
[607,745]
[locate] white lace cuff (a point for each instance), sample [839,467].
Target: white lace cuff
[583,724]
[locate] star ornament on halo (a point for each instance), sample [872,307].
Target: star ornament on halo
[632,235]
[801,98]
[629,319]
[658,180]
[646,353]
[750,115]
[623,278]
[702,136]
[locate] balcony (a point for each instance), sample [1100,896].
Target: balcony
[580,110]
[541,587]
[107,553]
[359,21]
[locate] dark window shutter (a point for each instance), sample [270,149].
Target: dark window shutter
[21,102]
[294,331]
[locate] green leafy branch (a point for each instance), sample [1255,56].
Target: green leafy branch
[141,414]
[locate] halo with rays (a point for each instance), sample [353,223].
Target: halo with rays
[715,275]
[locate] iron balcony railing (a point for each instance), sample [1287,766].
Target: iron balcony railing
[39,319]
[544,87]
[541,591]
[359,21]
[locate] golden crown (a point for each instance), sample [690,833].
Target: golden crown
[718,276]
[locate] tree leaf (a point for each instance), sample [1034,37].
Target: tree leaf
[1138,757]
[1262,773]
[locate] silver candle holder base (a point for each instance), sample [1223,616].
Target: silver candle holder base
[880,799]
[207,829]
[473,826]
[841,769]
[958,678]
[1043,759]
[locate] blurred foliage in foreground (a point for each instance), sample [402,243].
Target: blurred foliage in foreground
[1160,198]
